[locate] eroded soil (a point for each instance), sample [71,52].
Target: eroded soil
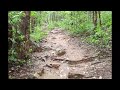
[66,57]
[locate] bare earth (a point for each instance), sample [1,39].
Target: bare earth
[66,57]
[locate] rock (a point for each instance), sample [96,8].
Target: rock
[94,77]
[40,73]
[36,75]
[46,56]
[46,46]
[60,52]
[56,66]
[100,77]
[12,69]
[53,65]
[53,53]
[43,59]
[31,77]
[53,38]
[48,66]
[75,76]
[54,43]
[44,40]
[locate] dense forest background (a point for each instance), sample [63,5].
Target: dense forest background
[27,28]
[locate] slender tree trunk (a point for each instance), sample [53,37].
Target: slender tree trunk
[71,14]
[95,18]
[99,18]
[25,29]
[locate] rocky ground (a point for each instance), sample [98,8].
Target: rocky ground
[66,57]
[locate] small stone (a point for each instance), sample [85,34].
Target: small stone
[56,66]
[53,38]
[85,56]
[43,59]
[75,76]
[46,56]
[9,71]
[60,52]
[12,68]
[100,77]
[53,52]
[67,58]
[31,77]
[40,73]
[94,77]
[36,75]
[48,66]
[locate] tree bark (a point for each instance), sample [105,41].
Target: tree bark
[99,18]
[25,29]
[95,18]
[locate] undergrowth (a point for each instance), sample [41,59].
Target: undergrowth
[38,34]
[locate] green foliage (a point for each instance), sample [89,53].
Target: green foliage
[33,13]
[78,23]
[30,50]
[12,55]
[15,17]
[106,19]
[21,61]
[38,34]
[101,37]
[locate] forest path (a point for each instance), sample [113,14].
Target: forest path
[66,57]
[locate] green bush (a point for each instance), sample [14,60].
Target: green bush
[38,34]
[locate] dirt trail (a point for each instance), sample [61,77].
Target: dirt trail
[66,57]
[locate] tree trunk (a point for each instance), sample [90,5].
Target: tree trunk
[25,29]
[27,24]
[95,19]
[99,18]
